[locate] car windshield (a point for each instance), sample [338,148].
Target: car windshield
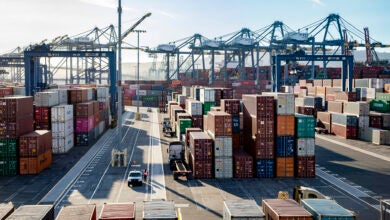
[135,174]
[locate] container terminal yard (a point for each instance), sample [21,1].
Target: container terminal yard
[298,138]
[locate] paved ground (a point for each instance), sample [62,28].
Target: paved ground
[356,179]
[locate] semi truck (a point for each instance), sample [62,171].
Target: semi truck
[177,163]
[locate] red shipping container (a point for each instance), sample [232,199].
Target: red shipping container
[258,105]
[118,211]
[242,164]
[42,126]
[188,131]
[77,95]
[218,96]
[375,121]
[264,127]
[5,92]
[14,128]
[85,109]
[95,107]
[201,146]
[284,209]
[197,121]
[85,124]
[305,167]
[231,106]
[96,119]
[35,143]
[260,148]
[219,123]
[42,114]
[12,108]
[201,169]
[235,140]
[348,132]
[227,93]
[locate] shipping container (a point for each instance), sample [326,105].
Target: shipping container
[356,108]
[223,167]
[285,146]
[84,124]
[35,164]
[223,146]
[62,144]
[324,209]
[33,212]
[305,146]
[380,105]
[187,132]
[242,210]
[181,126]
[236,124]
[258,105]
[62,128]
[116,211]
[305,126]
[284,209]
[367,94]
[242,164]
[265,168]
[9,165]
[284,166]
[77,95]
[42,114]
[9,147]
[343,119]
[324,117]
[194,107]
[346,96]
[197,121]
[219,123]
[35,143]
[384,118]
[46,99]
[231,106]
[335,106]
[382,96]
[206,95]
[79,212]
[305,167]
[285,125]
[201,146]
[13,108]
[348,132]
[201,169]
[159,210]
[207,107]
[84,138]
[6,210]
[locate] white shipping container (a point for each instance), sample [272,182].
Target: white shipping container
[207,95]
[285,102]
[90,94]
[142,92]
[299,101]
[380,136]
[194,107]
[133,86]
[368,93]
[62,113]
[19,91]
[376,83]
[242,210]
[364,122]
[63,96]
[62,129]
[102,92]
[63,144]
[223,167]
[46,99]
[305,147]
[356,108]
[223,147]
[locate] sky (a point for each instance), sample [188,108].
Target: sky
[25,22]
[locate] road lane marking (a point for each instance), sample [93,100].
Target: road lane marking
[355,148]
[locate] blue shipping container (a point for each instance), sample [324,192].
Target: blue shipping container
[318,102]
[285,146]
[265,168]
[197,94]
[236,124]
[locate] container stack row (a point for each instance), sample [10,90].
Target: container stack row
[150,95]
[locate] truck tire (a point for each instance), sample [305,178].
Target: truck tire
[175,177]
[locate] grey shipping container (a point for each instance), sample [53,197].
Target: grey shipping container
[242,210]
[79,212]
[324,209]
[33,212]
[342,119]
[154,210]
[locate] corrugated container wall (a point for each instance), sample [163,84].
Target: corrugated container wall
[284,209]
[324,209]
[79,212]
[206,95]
[154,210]
[42,212]
[285,102]
[115,211]
[242,210]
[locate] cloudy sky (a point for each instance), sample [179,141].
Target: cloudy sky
[25,22]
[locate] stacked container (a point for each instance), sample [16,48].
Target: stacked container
[219,125]
[104,107]
[84,124]
[16,118]
[345,125]
[305,146]
[35,151]
[195,109]
[201,158]
[62,128]
[284,209]
[285,131]
[242,164]
[232,106]
[259,126]
[207,97]
[43,101]
[181,125]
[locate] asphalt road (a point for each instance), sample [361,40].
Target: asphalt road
[353,178]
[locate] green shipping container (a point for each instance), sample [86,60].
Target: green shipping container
[380,105]
[382,96]
[8,166]
[207,106]
[8,147]
[327,209]
[181,126]
[305,126]
[149,98]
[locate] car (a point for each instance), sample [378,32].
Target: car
[134,178]
[149,109]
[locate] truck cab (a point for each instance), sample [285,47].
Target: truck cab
[302,192]
[135,176]
[175,153]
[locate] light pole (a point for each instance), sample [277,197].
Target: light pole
[138,115]
[119,74]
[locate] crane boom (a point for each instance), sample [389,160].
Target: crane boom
[135,25]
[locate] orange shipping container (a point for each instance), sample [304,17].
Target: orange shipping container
[285,166]
[285,125]
[35,165]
